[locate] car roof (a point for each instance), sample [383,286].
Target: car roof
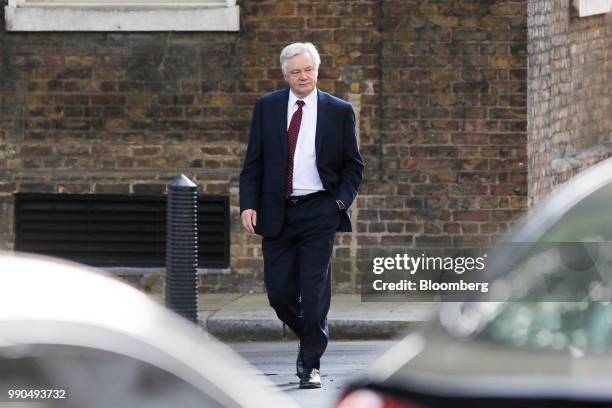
[545,214]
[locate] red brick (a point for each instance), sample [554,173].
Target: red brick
[478,215]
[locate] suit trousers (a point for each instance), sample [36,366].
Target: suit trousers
[297,272]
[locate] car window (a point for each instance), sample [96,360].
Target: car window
[95,378]
[558,295]
[576,327]
[590,220]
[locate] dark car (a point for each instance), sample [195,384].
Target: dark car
[72,337]
[541,337]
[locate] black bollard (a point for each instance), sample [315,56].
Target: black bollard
[181,286]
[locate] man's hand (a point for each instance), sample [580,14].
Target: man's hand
[249,220]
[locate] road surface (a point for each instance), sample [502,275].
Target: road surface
[342,361]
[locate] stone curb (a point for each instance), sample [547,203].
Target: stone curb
[340,329]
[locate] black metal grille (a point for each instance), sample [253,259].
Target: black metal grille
[114,230]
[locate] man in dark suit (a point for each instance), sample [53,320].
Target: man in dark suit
[301,173]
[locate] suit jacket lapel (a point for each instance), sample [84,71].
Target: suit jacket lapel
[321,118]
[282,122]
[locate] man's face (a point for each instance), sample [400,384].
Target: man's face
[301,75]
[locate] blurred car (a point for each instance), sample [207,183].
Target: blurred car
[72,337]
[541,337]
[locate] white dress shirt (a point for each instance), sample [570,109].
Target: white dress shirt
[306,178]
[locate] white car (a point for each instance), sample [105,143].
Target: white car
[73,337]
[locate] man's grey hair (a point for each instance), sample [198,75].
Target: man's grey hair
[294,49]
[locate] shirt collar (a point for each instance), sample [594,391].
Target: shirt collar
[309,100]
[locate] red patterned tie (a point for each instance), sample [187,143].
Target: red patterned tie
[292,137]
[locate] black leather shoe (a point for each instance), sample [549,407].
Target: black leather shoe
[310,379]
[299,363]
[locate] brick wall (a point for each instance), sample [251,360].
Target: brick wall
[570,93]
[439,89]
[452,169]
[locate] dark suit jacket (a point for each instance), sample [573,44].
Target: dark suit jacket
[263,178]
